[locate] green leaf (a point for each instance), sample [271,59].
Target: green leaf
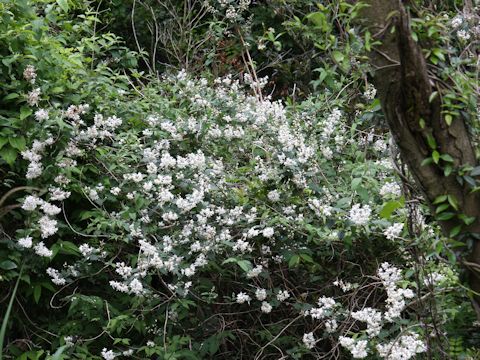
[422,124]
[6,315]
[453,201]
[8,265]
[67,247]
[63,5]
[436,156]
[426,161]
[445,216]
[432,96]
[455,231]
[338,56]
[294,261]
[11,96]
[389,208]
[318,19]
[37,292]
[448,119]
[307,258]
[368,37]
[245,265]
[3,141]
[431,142]
[446,157]
[475,171]
[440,199]
[58,353]
[25,112]
[356,183]
[467,220]
[8,154]
[57,90]
[469,180]
[447,170]
[439,54]
[441,208]
[18,142]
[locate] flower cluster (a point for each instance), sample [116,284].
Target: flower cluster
[360,215]
[405,348]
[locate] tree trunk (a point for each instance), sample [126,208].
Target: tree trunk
[417,125]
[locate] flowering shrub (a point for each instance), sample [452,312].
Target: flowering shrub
[196,203]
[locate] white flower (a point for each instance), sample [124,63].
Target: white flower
[331,326]
[327,152]
[242,246]
[50,209]
[380,145]
[372,317]
[268,232]
[119,286]
[69,340]
[273,195]
[266,307]
[33,97]
[357,348]
[57,194]
[115,191]
[433,279]
[42,250]
[390,188]
[86,250]
[41,115]
[108,354]
[189,271]
[261,294]
[34,170]
[370,92]
[25,242]
[360,215]
[123,270]
[282,295]
[456,22]
[48,226]
[57,279]
[31,202]
[255,272]
[309,340]
[136,287]
[242,298]
[390,276]
[405,348]
[463,35]
[324,305]
[393,231]
[345,286]
[93,194]
[320,208]
[30,74]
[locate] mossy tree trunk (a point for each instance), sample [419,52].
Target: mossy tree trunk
[419,128]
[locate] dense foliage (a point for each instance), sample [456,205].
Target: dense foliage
[176,203]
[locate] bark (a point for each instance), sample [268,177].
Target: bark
[404,88]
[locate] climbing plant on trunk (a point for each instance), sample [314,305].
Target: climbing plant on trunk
[436,146]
